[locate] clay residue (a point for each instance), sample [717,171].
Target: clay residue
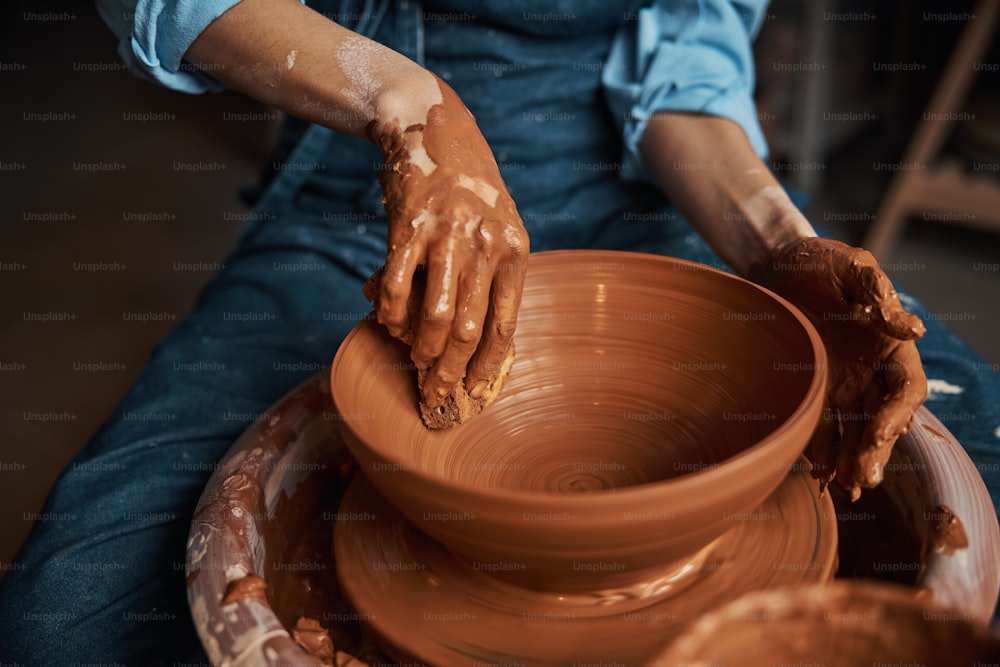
[432,606]
[315,639]
[876,380]
[460,405]
[937,434]
[245,588]
[848,623]
[949,533]
[449,210]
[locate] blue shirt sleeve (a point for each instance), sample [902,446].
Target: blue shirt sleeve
[154,35]
[691,56]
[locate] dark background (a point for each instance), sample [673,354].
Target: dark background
[58,379]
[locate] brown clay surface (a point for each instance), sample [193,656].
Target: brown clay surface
[840,625]
[949,532]
[260,540]
[876,378]
[449,210]
[272,505]
[644,387]
[434,608]
[930,524]
[458,406]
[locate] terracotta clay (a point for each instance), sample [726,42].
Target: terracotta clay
[449,209]
[645,387]
[314,638]
[245,588]
[458,406]
[944,538]
[841,625]
[948,530]
[876,378]
[431,607]
[272,506]
[258,551]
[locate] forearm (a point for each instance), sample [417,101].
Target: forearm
[292,58]
[709,171]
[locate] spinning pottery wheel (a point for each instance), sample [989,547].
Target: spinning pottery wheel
[261,551]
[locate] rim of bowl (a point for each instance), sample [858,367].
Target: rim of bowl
[751,457]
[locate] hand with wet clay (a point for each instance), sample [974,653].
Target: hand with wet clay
[447,205]
[876,380]
[449,210]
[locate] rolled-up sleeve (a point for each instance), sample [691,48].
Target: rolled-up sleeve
[692,56]
[154,35]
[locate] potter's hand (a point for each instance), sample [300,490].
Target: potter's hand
[449,210]
[447,205]
[876,380]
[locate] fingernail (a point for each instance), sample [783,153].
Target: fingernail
[855,493]
[480,387]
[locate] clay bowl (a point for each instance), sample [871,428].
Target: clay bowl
[653,403]
[841,624]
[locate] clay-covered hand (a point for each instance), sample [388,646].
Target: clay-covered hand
[876,380]
[449,210]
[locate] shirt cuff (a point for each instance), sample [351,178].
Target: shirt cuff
[697,60]
[154,35]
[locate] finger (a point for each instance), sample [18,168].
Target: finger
[501,322]
[906,390]
[463,337]
[871,457]
[437,312]
[397,284]
[822,449]
[865,283]
[852,425]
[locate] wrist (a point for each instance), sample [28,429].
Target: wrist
[774,223]
[404,101]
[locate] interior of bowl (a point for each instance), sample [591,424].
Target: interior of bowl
[630,369]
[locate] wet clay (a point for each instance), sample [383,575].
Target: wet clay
[269,509]
[949,533]
[245,588]
[836,624]
[930,524]
[458,406]
[315,639]
[632,416]
[432,608]
[449,210]
[876,380]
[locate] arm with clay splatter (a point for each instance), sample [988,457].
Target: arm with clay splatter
[679,79]
[709,170]
[447,205]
